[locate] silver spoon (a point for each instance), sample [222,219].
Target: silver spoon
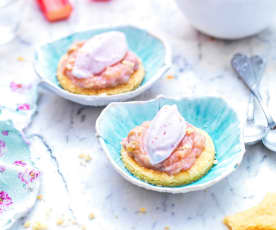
[254,133]
[244,68]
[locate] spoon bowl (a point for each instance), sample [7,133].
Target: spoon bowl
[253,133]
[269,140]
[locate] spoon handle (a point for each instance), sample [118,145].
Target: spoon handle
[251,109]
[270,121]
[258,65]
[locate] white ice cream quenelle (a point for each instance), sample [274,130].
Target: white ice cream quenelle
[99,52]
[164,134]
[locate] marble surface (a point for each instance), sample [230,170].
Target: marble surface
[60,130]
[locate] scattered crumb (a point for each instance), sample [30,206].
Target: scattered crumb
[20,58]
[167,228]
[74,222]
[88,158]
[215,161]
[39,226]
[91,216]
[39,197]
[142,210]
[27,224]
[81,156]
[83,227]
[85,157]
[170,77]
[60,221]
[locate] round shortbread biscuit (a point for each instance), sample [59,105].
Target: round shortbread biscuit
[134,81]
[201,166]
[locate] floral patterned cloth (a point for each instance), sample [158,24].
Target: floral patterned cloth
[19,179]
[5,201]
[18,101]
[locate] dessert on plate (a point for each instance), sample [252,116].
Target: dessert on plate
[168,151]
[102,64]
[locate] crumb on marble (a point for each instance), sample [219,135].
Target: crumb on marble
[170,77]
[39,197]
[167,228]
[142,210]
[27,224]
[85,157]
[74,222]
[60,221]
[20,58]
[91,216]
[39,226]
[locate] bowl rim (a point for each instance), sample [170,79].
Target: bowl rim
[185,189]
[153,33]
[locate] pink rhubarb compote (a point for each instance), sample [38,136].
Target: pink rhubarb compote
[103,61]
[167,134]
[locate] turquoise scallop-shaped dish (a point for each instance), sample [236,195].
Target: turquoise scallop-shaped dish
[211,114]
[19,179]
[151,49]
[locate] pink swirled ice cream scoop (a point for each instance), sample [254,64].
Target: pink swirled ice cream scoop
[164,134]
[98,53]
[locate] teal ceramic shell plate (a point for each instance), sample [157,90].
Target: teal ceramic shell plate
[19,179]
[211,114]
[151,49]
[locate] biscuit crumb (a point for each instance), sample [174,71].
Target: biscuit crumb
[60,221]
[83,227]
[27,224]
[167,228]
[39,197]
[20,58]
[170,77]
[74,222]
[85,157]
[39,226]
[91,216]
[142,210]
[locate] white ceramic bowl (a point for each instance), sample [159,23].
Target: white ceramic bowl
[229,19]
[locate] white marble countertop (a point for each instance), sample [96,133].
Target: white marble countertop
[62,130]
